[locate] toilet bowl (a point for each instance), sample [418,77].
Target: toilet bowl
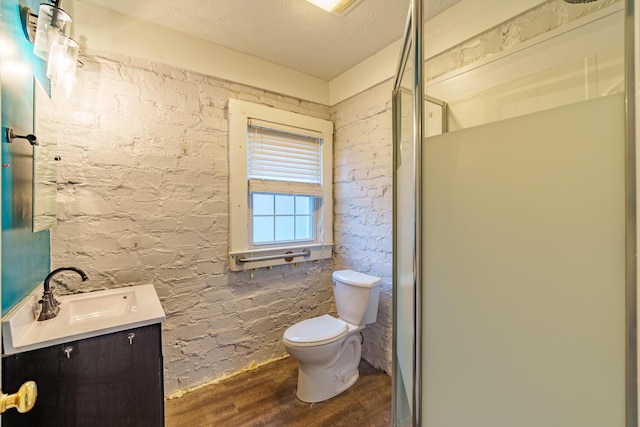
[328,349]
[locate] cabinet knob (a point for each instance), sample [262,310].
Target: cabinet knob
[130,338]
[23,400]
[67,351]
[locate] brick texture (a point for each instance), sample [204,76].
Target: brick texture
[363,204]
[143,198]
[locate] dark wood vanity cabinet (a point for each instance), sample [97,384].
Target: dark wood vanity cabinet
[109,380]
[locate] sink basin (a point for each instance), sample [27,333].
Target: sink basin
[101,307]
[81,316]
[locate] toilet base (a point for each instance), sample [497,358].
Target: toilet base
[319,382]
[315,395]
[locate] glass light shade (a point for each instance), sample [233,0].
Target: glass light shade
[53,23]
[71,80]
[66,83]
[63,56]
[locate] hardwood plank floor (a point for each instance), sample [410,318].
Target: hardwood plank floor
[266,397]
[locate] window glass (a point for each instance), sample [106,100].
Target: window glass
[262,204]
[304,227]
[282,218]
[263,229]
[285,228]
[304,205]
[284,204]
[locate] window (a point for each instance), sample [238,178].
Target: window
[279,186]
[281,218]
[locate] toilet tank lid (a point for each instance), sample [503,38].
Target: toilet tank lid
[355,278]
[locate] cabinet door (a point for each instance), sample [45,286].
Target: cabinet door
[56,398]
[111,380]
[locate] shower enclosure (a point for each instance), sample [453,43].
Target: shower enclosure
[515,215]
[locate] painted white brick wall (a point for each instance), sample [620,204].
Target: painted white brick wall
[538,20]
[143,198]
[363,204]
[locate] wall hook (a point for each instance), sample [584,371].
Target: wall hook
[11,135]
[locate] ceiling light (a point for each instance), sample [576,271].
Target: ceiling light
[335,6]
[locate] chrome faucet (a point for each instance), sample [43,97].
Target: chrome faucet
[50,306]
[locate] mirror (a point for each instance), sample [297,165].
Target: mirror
[44,161]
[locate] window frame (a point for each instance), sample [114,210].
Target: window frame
[240,234]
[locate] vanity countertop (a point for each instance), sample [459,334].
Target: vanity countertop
[83,315]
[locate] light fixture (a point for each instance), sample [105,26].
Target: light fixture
[49,32]
[63,56]
[53,23]
[339,7]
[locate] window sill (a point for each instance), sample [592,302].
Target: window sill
[315,252]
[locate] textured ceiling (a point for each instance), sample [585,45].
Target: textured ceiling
[293,33]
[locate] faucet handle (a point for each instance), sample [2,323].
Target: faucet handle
[50,307]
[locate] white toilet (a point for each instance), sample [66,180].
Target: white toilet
[328,349]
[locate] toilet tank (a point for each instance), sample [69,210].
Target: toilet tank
[356,296]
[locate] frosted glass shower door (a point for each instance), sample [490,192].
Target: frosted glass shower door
[524,268]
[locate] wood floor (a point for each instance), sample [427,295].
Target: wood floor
[266,397]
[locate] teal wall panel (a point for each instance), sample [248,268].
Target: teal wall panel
[25,255]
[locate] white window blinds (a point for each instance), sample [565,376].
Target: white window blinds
[282,159]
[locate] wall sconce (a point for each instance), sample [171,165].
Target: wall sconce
[49,32]
[63,57]
[53,23]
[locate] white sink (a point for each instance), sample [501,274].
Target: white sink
[81,316]
[98,307]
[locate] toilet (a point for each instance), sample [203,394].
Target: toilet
[327,348]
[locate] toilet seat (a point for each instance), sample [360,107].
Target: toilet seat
[316,331]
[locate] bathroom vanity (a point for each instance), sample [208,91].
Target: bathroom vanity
[97,363]
[109,380]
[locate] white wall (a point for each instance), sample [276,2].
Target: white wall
[143,198]
[363,204]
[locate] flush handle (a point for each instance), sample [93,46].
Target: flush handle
[23,400]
